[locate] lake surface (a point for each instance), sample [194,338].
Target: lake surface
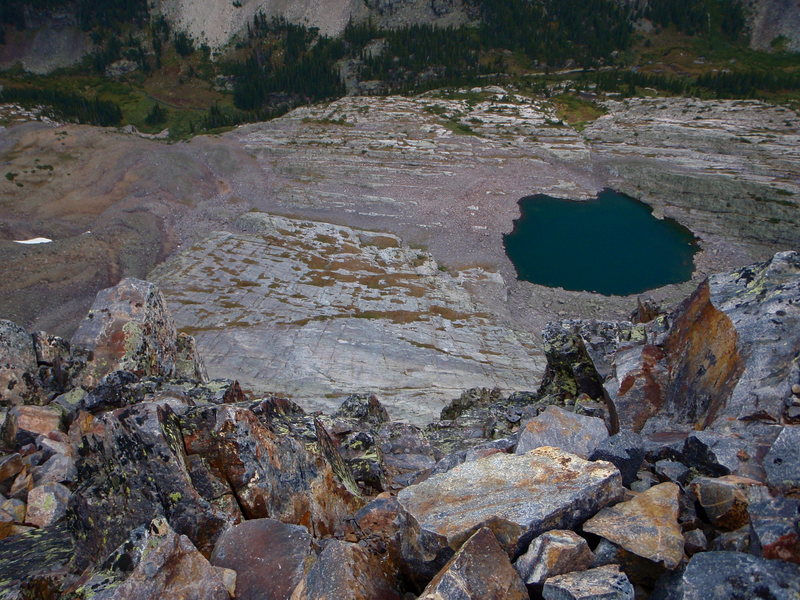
[612,245]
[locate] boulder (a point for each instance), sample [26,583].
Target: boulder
[59,468]
[10,465]
[737,540]
[625,450]
[725,499]
[7,521]
[24,423]
[132,468]
[573,433]
[695,541]
[364,408]
[480,570]
[155,562]
[188,362]
[267,555]
[782,462]
[646,526]
[516,496]
[18,365]
[735,575]
[47,504]
[407,454]
[602,583]
[553,553]
[345,570]
[273,475]
[713,453]
[34,555]
[15,508]
[671,470]
[775,528]
[128,328]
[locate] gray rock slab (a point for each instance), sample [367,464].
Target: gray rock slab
[317,312]
[782,462]
[517,496]
[573,433]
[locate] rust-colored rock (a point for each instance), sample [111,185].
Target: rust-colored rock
[573,433]
[725,499]
[646,526]
[516,496]
[155,562]
[480,570]
[24,423]
[553,553]
[345,570]
[267,555]
[272,474]
[10,465]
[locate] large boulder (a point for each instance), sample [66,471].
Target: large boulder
[18,364]
[647,525]
[346,570]
[267,555]
[480,570]
[736,576]
[516,496]
[133,468]
[128,328]
[573,433]
[154,562]
[272,474]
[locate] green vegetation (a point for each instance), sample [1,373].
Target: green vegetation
[144,74]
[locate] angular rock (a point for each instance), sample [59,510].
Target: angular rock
[7,521]
[725,499]
[646,526]
[364,408]
[775,528]
[128,328]
[10,465]
[737,540]
[260,549]
[188,362]
[18,364]
[407,453]
[625,450]
[115,390]
[272,474]
[59,468]
[694,541]
[15,508]
[714,453]
[34,554]
[24,423]
[671,470]
[563,429]
[47,504]
[735,575]
[132,468]
[602,583]
[155,562]
[516,496]
[344,570]
[782,462]
[553,553]
[480,570]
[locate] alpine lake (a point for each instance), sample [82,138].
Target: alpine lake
[611,245]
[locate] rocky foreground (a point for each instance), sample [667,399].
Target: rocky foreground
[658,458]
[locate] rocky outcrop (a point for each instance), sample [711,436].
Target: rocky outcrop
[156,483]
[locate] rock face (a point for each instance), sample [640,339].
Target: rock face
[479,570]
[520,497]
[647,525]
[719,362]
[331,299]
[217,23]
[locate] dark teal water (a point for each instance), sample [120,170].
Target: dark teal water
[612,245]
